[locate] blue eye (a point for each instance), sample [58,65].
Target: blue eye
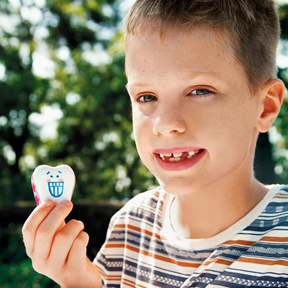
[147,98]
[51,176]
[200,92]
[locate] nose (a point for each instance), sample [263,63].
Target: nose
[169,120]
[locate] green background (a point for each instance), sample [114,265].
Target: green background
[85,92]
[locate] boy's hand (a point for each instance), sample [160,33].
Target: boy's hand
[57,249]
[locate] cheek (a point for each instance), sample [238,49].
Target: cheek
[223,130]
[141,123]
[235,133]
[142,130]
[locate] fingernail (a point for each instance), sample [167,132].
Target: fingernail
[67,203]
[81,223]
[48,203]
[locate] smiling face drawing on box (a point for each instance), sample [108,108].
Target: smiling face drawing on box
[194,116]
[55,183]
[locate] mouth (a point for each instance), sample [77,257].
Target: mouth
[56,188]
[179,156]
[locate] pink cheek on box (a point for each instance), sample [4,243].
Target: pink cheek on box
[60,180]
[48,180]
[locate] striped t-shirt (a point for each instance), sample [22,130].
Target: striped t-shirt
[142,250]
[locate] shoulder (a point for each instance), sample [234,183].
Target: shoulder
[275,214]
[146,206]
[146,200]
[282,189]
[279,193]
[279,202]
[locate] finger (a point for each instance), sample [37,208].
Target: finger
[47,229]
[33,222]
[61,226]
[77,254]
[63,241]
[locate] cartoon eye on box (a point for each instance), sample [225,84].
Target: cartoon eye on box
[55,183]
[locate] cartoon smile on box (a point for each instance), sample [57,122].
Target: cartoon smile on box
[55,183]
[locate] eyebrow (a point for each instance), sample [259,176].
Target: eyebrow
[139,84]
[191,75]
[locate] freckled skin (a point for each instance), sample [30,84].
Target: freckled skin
[221,124]
[225,122]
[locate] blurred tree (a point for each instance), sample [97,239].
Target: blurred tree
[66,55]
[280,134]
[64,59]
[21,94]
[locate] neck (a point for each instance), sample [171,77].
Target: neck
[205,214]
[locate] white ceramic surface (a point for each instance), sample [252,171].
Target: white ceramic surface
[55,183]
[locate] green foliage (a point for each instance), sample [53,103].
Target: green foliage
[283,13]
[86,85]
[15,267]
[21,94]
[280,152]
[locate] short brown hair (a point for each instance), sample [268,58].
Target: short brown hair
[252,26]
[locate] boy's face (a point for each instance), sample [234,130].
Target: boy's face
[194,116]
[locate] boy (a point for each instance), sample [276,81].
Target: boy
[201,77]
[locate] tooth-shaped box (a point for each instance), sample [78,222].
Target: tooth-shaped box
[55,183]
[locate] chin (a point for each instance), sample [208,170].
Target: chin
[177,188]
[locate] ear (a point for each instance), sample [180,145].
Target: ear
[272,95]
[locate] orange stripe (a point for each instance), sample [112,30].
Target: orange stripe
[239,242]
[111,277]
[127,284]
[132,283]
[157,193]
[155,256]
[134,228]
[274,239]
[281,196]
[263,261]
[219,261]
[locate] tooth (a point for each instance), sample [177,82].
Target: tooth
[172,159]
[191,153]
[168,155]
[176,155]
[55,190]
[161,156]
[189,156]
[177,158]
